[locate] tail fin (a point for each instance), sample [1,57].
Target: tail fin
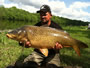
[77,49]
[79,45]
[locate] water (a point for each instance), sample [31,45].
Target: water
[6,24]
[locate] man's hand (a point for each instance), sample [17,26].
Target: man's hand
[27,44]
[58,46]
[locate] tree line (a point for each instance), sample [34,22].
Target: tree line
[15,14]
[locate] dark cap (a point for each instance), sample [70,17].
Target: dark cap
[44,8]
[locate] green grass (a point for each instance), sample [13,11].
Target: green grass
[69,56]
[11,52]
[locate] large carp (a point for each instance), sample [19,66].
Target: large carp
[44,38]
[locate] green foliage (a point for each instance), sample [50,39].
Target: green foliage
[67,22]
[17,15]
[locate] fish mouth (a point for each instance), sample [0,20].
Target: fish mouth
[9,36]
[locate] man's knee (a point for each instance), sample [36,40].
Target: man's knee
[52,66]
[55,60]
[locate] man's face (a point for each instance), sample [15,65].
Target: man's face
[45,17]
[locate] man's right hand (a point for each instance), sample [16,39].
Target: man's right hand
[27,44]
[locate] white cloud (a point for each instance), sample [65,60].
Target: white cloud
[80,5]
[10,5]
[35,3]
[77,10]
[31,9]
[59,8]
[1,2]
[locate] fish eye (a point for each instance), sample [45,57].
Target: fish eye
[24,31]
[19,31]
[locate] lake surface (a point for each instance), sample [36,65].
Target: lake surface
[6,24]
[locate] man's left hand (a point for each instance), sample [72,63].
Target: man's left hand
[58,46]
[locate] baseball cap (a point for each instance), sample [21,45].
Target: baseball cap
[44,8]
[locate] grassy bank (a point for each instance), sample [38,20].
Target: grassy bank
[10,51]
[68,55]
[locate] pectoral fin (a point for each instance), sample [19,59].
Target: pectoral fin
[44,52]
[76,48]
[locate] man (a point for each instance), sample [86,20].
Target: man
[36,58]
[53,58]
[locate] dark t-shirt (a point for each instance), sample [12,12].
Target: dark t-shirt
[53,25]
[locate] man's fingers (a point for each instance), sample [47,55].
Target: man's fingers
[58,46]
[28,43]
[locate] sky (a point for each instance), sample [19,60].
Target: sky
[71,9]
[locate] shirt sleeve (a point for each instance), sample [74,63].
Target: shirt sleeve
[55,25]
[38,24]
